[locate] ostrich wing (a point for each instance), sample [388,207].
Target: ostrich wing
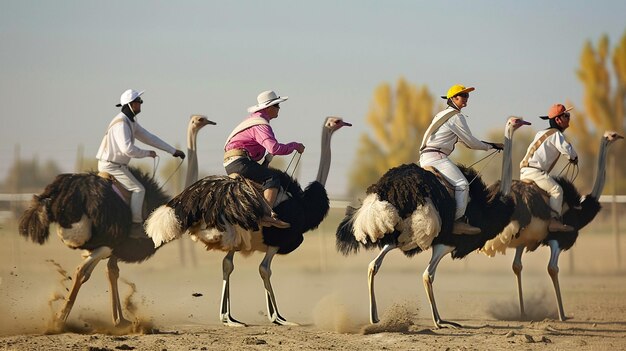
[70,197]
[216,200]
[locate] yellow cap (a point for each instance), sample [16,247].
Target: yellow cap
[456,90]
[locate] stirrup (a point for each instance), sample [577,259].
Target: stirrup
[461,227]
[556,225]
[273,221]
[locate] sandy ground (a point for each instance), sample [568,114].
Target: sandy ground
[174,299]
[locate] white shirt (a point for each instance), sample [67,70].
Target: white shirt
[452,131]
[550,150]
[118,144]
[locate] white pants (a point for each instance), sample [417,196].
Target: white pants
[547,183]
[453,175]
[126,178]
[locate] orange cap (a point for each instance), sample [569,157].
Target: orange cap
[555,111]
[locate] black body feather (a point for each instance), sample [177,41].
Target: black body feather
[70,196]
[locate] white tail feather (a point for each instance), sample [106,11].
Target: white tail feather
[501,241]
[162,226]
[421,228]
[374,219]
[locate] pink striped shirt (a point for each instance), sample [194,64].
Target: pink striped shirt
[257,139]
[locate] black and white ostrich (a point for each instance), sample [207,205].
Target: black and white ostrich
[411,209]
[224,220]
[91,215]
[528,228]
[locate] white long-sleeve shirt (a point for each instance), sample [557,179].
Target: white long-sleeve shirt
[118,144]
[452,131]
[549,151]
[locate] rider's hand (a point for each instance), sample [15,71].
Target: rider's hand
[497,146]
[180,154]
[300,148]
[152,154]
[574,161]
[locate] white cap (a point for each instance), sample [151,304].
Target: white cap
[129,96]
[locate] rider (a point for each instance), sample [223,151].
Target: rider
[446,129]
[249,141]
[541,157]
[118,147]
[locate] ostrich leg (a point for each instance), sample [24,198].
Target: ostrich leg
[553,270]
[83,273]
[266,272]
[113,273]
[371,273]
[438,252]
[517,269]
[227,268]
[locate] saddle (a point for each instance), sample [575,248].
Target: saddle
[441,179]
[122,192]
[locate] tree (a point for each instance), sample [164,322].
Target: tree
[29,176]
[398,120]
[604,97]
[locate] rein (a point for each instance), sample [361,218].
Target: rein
[574,171]
[491,156]
[156,162]
[294,168]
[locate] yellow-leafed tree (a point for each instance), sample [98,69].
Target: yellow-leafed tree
[604,96]
[398,120]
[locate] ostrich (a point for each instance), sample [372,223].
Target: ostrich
[91,215]
[219,217]
[411,209]
[529,224]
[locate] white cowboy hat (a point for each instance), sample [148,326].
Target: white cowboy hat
[266,99]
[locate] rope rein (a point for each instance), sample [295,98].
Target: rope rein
[155,166]
[491,156]
[575,170]
[174,172]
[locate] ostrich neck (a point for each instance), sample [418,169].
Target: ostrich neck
[192,157]
[598,185]
[324,167]
[507,167]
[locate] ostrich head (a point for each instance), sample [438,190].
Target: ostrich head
[512,124]
[333,124]
[197,122]
[611,136]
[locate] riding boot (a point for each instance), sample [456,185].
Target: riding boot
[461,226]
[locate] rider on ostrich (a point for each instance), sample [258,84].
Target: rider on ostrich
[446,129]
[541,156]
[249,141]
[118,147]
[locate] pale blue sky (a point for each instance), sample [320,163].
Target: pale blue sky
[64,64]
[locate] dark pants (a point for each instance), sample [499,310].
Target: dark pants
[249,169]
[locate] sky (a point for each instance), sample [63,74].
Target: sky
[64,64]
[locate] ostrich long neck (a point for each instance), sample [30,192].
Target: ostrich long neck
[324,167]
[507,164]
[192,157]
[598,185]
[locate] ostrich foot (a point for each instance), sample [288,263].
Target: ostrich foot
[447,324]
[229,321]
[280,320]
[122,323]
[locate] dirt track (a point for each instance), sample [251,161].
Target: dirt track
[323,291]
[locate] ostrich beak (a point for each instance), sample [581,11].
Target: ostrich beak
[345,124]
